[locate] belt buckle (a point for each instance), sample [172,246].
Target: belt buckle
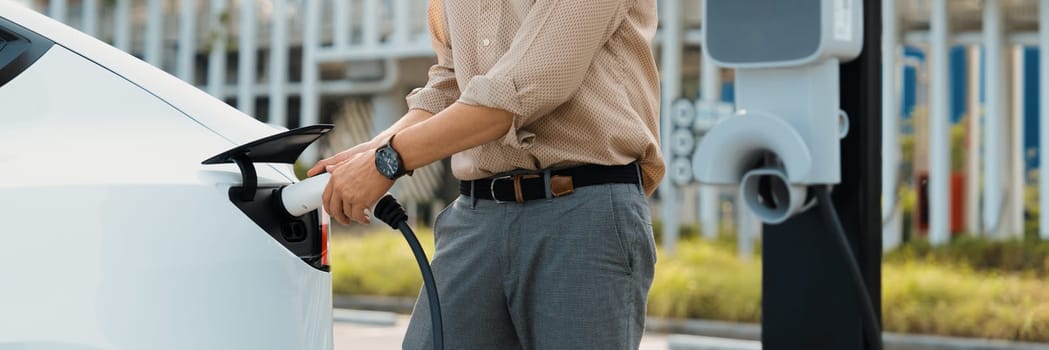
[491,187]
[518,195]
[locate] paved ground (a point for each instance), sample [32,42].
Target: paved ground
[354,336]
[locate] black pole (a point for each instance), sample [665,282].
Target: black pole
[808,301]
[860,207]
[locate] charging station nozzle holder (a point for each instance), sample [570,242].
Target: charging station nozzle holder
[785,135]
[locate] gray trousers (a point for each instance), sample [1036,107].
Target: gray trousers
[568,273]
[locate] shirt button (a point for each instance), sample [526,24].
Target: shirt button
[485,42]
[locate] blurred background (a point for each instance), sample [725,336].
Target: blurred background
[962,85]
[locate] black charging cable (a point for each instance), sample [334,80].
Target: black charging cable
[391,212]
[872,332]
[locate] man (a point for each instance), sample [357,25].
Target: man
[549,110]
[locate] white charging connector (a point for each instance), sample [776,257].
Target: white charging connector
[305,196]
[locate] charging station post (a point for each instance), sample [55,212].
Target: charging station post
[807,301]
[808,122]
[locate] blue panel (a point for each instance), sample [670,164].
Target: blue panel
[909,82]
[908,89]
[728,92]
[1031,106]
[914,52]
[959,75]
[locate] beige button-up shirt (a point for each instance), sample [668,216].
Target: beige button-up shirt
[578,75]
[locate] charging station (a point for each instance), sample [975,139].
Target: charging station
[808,122]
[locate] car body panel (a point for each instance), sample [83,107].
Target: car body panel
[114,235]
[101,129]
[187,275]
[196,104]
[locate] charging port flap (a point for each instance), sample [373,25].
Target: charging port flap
[303,235]
[283,148]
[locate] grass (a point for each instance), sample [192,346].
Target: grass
[929,298]
[922,292]
[706,280]
[1029,256]
[377,264]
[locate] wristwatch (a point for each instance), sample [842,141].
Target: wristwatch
[389,162]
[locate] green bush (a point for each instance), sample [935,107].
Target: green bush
[706,280]
[919,297]
[1012,256]
[376,264]
[924,290]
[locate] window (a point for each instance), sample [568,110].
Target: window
[19,49]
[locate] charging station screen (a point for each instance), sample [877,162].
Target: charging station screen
[762,31]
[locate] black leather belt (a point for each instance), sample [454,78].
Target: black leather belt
[526,186]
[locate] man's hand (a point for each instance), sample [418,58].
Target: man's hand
[343,156]
[355,185]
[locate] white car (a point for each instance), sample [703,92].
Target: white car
[114,235]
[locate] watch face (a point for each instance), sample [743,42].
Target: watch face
[386,162]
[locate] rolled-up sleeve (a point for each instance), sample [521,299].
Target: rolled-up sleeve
[441,89]
[548,58]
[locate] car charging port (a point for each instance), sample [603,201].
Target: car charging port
[294,231]
[301,234]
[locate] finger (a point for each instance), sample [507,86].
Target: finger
[357,214]
[335,206]
[317,168]
[333,160]
[366,215]
[326,197]
[337,212]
